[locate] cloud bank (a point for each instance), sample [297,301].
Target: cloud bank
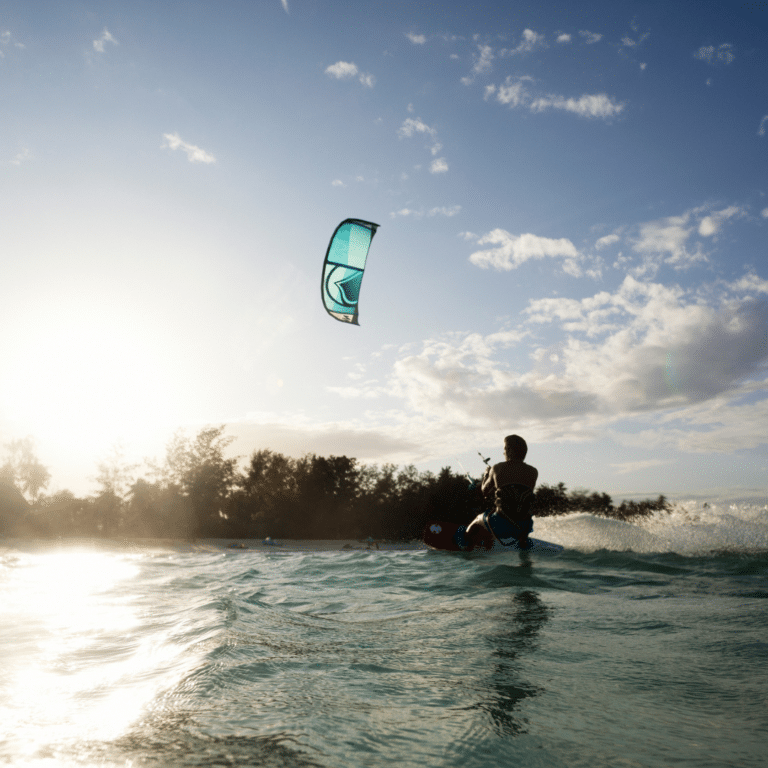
[644,348]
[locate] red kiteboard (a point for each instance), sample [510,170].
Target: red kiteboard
[441,535]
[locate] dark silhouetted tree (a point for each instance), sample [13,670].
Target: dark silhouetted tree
[203,476]
[14,509]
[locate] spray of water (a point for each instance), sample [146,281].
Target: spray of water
[689,528]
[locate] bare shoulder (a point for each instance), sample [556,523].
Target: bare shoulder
[508,472]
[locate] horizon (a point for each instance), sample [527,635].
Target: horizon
[572,208]
[150,464]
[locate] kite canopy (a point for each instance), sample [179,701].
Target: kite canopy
[344,266]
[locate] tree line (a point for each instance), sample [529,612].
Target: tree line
[196,492]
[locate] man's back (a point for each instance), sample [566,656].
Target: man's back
[509,473]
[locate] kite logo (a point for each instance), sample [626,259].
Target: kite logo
[347,288]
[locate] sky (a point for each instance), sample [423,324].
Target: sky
[573,211]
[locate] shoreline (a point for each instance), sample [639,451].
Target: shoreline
[216,545]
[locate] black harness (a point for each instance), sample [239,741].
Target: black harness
[514,502]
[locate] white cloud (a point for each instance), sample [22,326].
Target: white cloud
[194,154]
[750,284]
[513,250]
[482,63]
[677,241]
[367,80]
[607,240]
[284,3]
[411,126]
[345,70]
[342,70]
[590,37]
[444,211]
[628,42]
[439,211]
[667,238]
[416,39]
[763,123]
[106,37]
[712,223]
[338,183]
[588,105]
[483,59]
[563,38]
[515,92]
[764,213]
[529,40]
[722,54]
[667,349]
[644,348]
[438,165]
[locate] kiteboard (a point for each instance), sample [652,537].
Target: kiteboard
[442,535]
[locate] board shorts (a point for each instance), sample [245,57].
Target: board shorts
[504,529]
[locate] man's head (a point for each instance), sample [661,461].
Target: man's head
[515,447]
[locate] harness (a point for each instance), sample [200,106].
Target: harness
[514,502]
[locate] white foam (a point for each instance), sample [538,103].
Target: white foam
[689,528]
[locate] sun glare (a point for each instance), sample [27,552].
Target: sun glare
[86,381]
[77,669]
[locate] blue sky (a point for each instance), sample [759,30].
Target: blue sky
[573,219]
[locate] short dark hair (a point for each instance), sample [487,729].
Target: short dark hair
[514,445]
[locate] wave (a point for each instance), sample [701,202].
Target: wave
[688,528]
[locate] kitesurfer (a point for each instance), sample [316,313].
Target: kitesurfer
[510,484]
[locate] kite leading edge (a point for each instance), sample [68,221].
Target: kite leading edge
[344,266]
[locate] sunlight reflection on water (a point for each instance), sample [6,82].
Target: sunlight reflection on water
[82,670]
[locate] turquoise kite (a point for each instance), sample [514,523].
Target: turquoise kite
[343,268]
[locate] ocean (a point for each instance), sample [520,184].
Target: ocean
[643,644]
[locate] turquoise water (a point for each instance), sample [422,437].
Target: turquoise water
[641,645]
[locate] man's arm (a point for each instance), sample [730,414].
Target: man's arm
[488,480]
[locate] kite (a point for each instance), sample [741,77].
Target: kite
[343,268]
